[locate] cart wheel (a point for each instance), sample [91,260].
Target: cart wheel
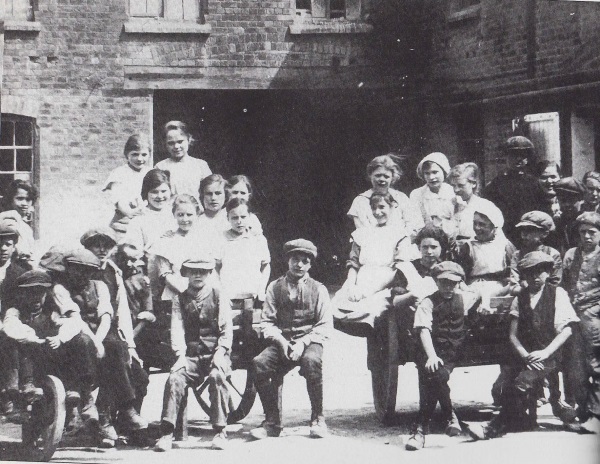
[240,399]
[42,433]
[383,351]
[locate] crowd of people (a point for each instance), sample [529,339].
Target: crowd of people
[155,287]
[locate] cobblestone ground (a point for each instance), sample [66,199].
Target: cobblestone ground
[356,435]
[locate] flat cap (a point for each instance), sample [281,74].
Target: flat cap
[589,217]
[8,227]
[199,263]
[537,219]
[518,142]
[84,258]
[97,232]
[35,278]
[569,185]
[448,270]
[300,245]
[535,258]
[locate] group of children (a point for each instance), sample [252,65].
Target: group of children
[465,262]
[157,288]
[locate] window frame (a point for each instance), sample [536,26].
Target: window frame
[321,9]
[185,11]
[35,162]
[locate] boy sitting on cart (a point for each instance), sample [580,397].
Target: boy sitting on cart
[297,318]
[541,318]
[201,336]
[47,343]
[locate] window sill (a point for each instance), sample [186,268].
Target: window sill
[154,26]
[472,12]
[331,26]
[22,26]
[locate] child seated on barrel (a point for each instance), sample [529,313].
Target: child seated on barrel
[540,323]
[441,323]
[201,336]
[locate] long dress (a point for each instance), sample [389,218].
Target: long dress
[374,251]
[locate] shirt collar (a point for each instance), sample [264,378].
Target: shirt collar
[294,281]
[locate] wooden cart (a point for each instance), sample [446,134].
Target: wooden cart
[391,343]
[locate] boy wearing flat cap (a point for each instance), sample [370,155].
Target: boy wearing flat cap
[11,267]
[581,279]
[297,319]
[201,337]
[540,323]
[101,241]
[533,228]
[32,329]
[440,320]
[76,295]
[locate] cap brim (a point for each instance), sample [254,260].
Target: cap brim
[530,224]
[81,263]
[208,267]
[301,250]
[449,276]
[36,284]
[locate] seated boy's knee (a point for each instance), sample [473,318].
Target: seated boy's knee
[311,364]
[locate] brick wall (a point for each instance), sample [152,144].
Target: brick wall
[507,42]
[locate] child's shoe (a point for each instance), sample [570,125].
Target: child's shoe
[264,431]
[417,440]
[318,428]
[31,393]
[132,421]
[453,428]
[219,441]
[565,412]
[592,425]
[89,412]
[107,434]
[164,443]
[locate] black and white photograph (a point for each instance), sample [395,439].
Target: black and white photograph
[334,231]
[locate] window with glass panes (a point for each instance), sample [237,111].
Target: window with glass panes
[349,9]
[19,10]
[17,150]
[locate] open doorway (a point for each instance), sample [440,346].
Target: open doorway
[306,152]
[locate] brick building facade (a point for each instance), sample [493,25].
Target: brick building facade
[298,94]
[529,67]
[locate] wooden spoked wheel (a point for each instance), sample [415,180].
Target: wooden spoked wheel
[242,394]
[42,433]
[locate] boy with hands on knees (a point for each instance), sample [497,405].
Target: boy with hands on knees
[297,319]
[541,319]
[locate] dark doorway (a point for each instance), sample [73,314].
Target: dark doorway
[306,152]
